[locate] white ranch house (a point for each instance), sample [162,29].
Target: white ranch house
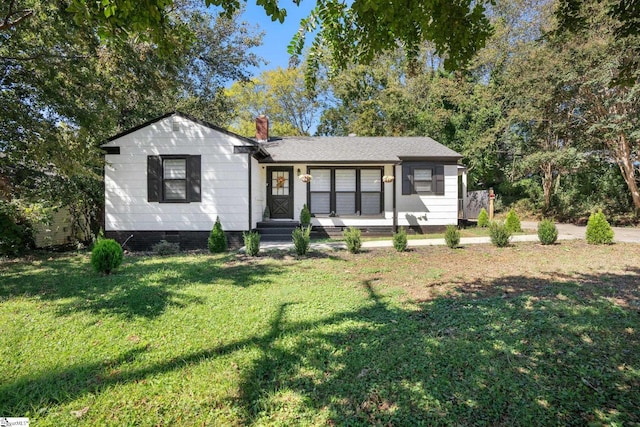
[170,178]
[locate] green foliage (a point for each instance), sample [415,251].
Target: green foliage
[217,241]
[16,232]
[547,232]
[106,256]
[251,242]
[500,234]
[165,248]
[305,215]
[599,232]
[400,240]
[512,222]
[353,239]
[301,239]
[483,218]
[452,236]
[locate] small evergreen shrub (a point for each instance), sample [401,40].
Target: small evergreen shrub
[500,234]
[512,222]
[400,240]
[266,214]
[305,215]
[217,238]
[599,232]
[547,232]
[301,239]
[452,236]
[165,248]
[106,256]
[251,242]
[353,239]
[483,218]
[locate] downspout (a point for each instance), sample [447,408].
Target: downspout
[395,208]
[249,190]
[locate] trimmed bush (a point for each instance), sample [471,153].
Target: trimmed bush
[165,248]
[353,239]
[452,236]
[599,232]
[512,222]
[217,238]
[547,232]
[483,218]
[400,240]
[305,215]
[106,256]
[500,234]
[251,242]
[301,238]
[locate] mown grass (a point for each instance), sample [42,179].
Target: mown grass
[380,338]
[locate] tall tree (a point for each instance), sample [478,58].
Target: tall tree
[279,94]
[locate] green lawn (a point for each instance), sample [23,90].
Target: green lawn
[379,338]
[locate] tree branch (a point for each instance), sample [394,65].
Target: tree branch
[22,14]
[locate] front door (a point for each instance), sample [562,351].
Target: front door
[280,192]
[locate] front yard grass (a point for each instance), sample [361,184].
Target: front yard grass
[525,335]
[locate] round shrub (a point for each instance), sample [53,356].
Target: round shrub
[301,239]
[353,239]
[452,236]
[483,218]
[500,234]
[251,242]
[400,240]
[305,215]
[512,222]
[106,256]
[547,232]
[599,232]
[165,248]
[217,239]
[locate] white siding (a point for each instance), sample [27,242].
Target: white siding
[417,209]
[224,180]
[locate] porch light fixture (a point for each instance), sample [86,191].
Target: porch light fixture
[388,178]
[306,178]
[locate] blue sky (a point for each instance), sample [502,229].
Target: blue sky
[276,35]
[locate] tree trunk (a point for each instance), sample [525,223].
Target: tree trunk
[622,152]
[547,185]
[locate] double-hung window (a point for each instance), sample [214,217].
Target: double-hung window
[346,191]
[173,178]
[422,178]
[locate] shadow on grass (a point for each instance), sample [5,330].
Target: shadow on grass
[536,352]
[141,287]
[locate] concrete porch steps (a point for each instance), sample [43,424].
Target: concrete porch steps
[276,231]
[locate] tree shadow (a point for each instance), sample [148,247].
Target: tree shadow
[512,351]
[141,287]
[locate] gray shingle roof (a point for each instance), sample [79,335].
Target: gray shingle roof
[353,149]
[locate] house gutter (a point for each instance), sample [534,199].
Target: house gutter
[395,208]
[249,156]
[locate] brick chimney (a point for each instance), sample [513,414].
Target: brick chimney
[262,128]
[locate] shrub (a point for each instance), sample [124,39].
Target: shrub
[599,231]
[547,232]
[400,240]
[353,239]
[217,239]
[500,234]
[16,232]
[305,215]
[512,222]
[165,248]
[483,218]
[301,239]
[251,242]
[452,236]
[106,256]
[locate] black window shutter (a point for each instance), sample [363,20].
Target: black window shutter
[154,178]
[439,177]
[193,184]
[407,185]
